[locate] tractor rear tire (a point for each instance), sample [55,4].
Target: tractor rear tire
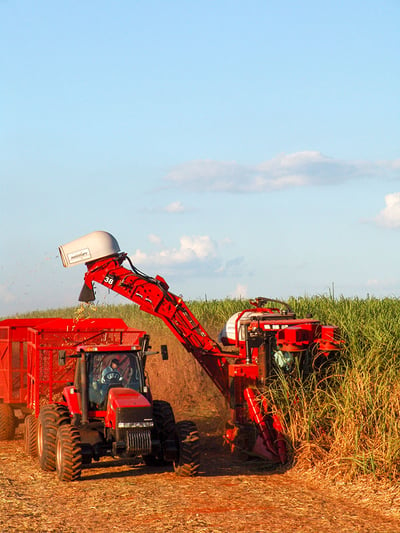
[188,460]
[50,418]
[30,436]
[68,453]
[7,422]
[164,421]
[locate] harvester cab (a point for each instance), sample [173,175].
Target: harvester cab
[271,334]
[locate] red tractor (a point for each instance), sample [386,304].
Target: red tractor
[81,388]
[259,342]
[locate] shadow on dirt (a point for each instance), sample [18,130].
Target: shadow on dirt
[217,461]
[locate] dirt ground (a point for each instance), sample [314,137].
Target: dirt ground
[229,495]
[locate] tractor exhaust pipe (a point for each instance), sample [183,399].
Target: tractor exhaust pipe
[84,390]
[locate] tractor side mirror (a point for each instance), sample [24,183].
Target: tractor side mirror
[164,352]
[62,357]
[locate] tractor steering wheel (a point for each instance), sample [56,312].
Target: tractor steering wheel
[112,377]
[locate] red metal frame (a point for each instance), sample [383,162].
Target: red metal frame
[13,357]
[29,349]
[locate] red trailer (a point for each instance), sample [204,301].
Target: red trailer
[13,373]
[29,372]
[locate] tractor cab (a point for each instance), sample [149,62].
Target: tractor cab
[111,369]
[109,402]
[102,368]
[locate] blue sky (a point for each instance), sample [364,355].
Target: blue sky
[235,148]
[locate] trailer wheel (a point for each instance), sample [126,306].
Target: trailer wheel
[188,460]
[30,435]
[68,453]
[50,417]
[7,422]
[164,421]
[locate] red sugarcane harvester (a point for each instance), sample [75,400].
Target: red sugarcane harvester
[80,387]
[266,340]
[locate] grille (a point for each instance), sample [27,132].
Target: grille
[138,441]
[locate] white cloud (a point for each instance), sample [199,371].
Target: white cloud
[390,284]
[155,239]
[196,255]
[283,171]
[390,215]
[195,248]
[171,208]
[139,257]
[240,291]
[201,246]
[174,207]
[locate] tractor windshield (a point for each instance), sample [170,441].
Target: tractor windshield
[112,369]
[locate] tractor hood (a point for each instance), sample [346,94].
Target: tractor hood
[128,408]
[119,397]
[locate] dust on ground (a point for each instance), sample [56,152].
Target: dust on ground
[228,495]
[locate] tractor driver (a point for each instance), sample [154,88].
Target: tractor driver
[99,390]
[111,373]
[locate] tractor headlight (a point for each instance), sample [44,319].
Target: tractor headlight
[130,425]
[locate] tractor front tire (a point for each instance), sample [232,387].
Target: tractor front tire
[164,420]
[68,453]
[7,422]
[30,436]
[50,418]
[188,461]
